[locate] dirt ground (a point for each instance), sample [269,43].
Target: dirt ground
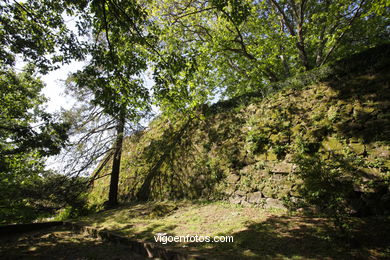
[61,243]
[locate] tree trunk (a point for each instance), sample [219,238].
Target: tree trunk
[301,39]
[302,52]
[116,163]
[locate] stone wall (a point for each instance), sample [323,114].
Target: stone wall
[254,150]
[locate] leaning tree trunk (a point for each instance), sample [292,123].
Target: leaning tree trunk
[116,163]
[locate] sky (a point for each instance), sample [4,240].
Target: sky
[55,89]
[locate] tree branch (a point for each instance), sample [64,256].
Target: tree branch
[356,15]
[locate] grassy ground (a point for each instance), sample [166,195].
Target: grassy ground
[62,244]
[258,233]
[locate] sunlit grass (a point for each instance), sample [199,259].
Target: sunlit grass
[258,233]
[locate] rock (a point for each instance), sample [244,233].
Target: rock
[246,170]
[236,199]
[277,176]
[289,157]
[245,203]
[315,210]
[255,197]
[348,109]
[295,192]
[382,152]
[357,148]
[353,139]
[274,203]
[283,191]
[229,190]
[251,108]
[370,171]
[260,175]
[271,156]
[240,193]
[332,144]
[282,167]
[333,113]
[267,191]
[232,178]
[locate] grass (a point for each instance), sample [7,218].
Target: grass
[177,218]
[258,233]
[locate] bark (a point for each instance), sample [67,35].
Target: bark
[351,21]
[301,39]
[299,17]
[116,163]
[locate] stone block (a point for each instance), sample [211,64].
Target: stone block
[267,191]
[357,148]
[255,197]
[245,203]
[236,199]
[332,144]
[274,203]
[282,167]
[232,178]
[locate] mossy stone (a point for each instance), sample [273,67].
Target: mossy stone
[382,152]
[297,129]
[358,148]
[282,167]
[294,192]
[371,171]
[368,110]
[282,193]
[229,190]
[260,157]
[348,109]
[232,178]
[332,144]
[271,156]
[353,139]
[274,138]
[333,113]
[268,191]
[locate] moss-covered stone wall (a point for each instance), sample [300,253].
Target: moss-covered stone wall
[259,149]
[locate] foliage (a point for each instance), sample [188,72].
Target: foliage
[28,134]
[116,58]
[112,73]
[235,47]
[35,32]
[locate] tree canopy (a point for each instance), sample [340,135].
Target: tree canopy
[27,135]
[241,46]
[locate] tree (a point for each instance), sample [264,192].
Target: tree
[241,46]
[36,32]
[199,48]
[114,70]
[93,138]
[27,135]
[33,33]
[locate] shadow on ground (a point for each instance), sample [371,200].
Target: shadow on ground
[304,238]
[60,243]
